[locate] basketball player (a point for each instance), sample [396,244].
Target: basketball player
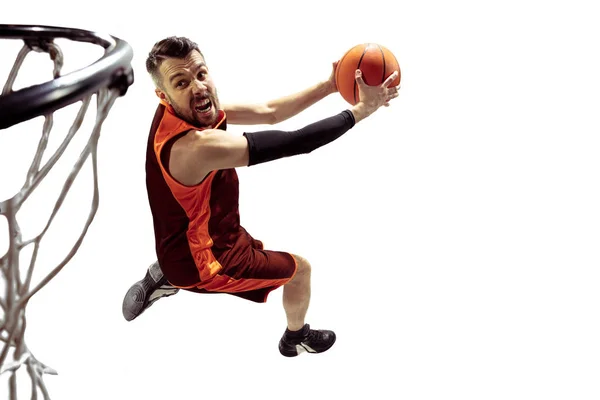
[193,188]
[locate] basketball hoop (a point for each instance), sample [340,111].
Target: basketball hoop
[107,78]
[112,71]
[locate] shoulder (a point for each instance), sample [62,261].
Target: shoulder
[194,136]
[195,145]
[208,139]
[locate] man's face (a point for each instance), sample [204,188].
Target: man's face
[189,89]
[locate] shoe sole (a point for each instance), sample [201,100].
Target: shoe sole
[133,307]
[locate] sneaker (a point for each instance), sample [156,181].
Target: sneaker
[144,293]
[305,340]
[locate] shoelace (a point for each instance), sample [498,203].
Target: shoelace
[314,336]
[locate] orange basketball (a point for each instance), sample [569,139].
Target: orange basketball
[376,63]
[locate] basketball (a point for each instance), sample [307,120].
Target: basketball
[376,63]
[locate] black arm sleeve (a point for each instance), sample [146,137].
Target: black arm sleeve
[271,145]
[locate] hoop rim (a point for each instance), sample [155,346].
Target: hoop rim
[113,70]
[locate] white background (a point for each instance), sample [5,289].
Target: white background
[453,236]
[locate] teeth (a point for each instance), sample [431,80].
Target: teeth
[203,106]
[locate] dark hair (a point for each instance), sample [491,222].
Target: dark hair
[171,47]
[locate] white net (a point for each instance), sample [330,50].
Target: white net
[18,282]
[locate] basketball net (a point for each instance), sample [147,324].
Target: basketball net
[15,356]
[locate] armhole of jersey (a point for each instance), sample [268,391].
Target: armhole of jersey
[165,153]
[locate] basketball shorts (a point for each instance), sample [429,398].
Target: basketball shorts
[249,271]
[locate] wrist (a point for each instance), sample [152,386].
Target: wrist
[360,111]
[329,87]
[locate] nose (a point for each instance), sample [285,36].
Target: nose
[198,87]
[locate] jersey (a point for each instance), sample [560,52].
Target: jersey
[191,227]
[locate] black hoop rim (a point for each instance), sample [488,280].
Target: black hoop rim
[113,70]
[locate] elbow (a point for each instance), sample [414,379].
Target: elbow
[270,114]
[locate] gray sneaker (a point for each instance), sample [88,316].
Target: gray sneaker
[144,293]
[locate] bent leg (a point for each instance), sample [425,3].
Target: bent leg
[296,295]
[298,336]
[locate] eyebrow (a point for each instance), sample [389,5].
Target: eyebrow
[178,74]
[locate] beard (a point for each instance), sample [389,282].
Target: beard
[195,117]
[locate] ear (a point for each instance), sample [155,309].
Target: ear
[161,95]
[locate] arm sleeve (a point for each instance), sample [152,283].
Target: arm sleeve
[271,145]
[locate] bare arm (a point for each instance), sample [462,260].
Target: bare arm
[289,106]
[249,114]
[281,109]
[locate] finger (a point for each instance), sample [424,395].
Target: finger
[390,79]
[392,96]
[358,77]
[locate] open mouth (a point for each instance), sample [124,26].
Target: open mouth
[204,106]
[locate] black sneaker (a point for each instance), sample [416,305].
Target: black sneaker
[144,293]
[305,340]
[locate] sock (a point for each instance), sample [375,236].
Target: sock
[297,334]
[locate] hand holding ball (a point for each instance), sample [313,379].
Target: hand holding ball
[376,64]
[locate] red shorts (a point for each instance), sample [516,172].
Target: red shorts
[249,271]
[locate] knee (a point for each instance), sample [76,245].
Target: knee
[303,266]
